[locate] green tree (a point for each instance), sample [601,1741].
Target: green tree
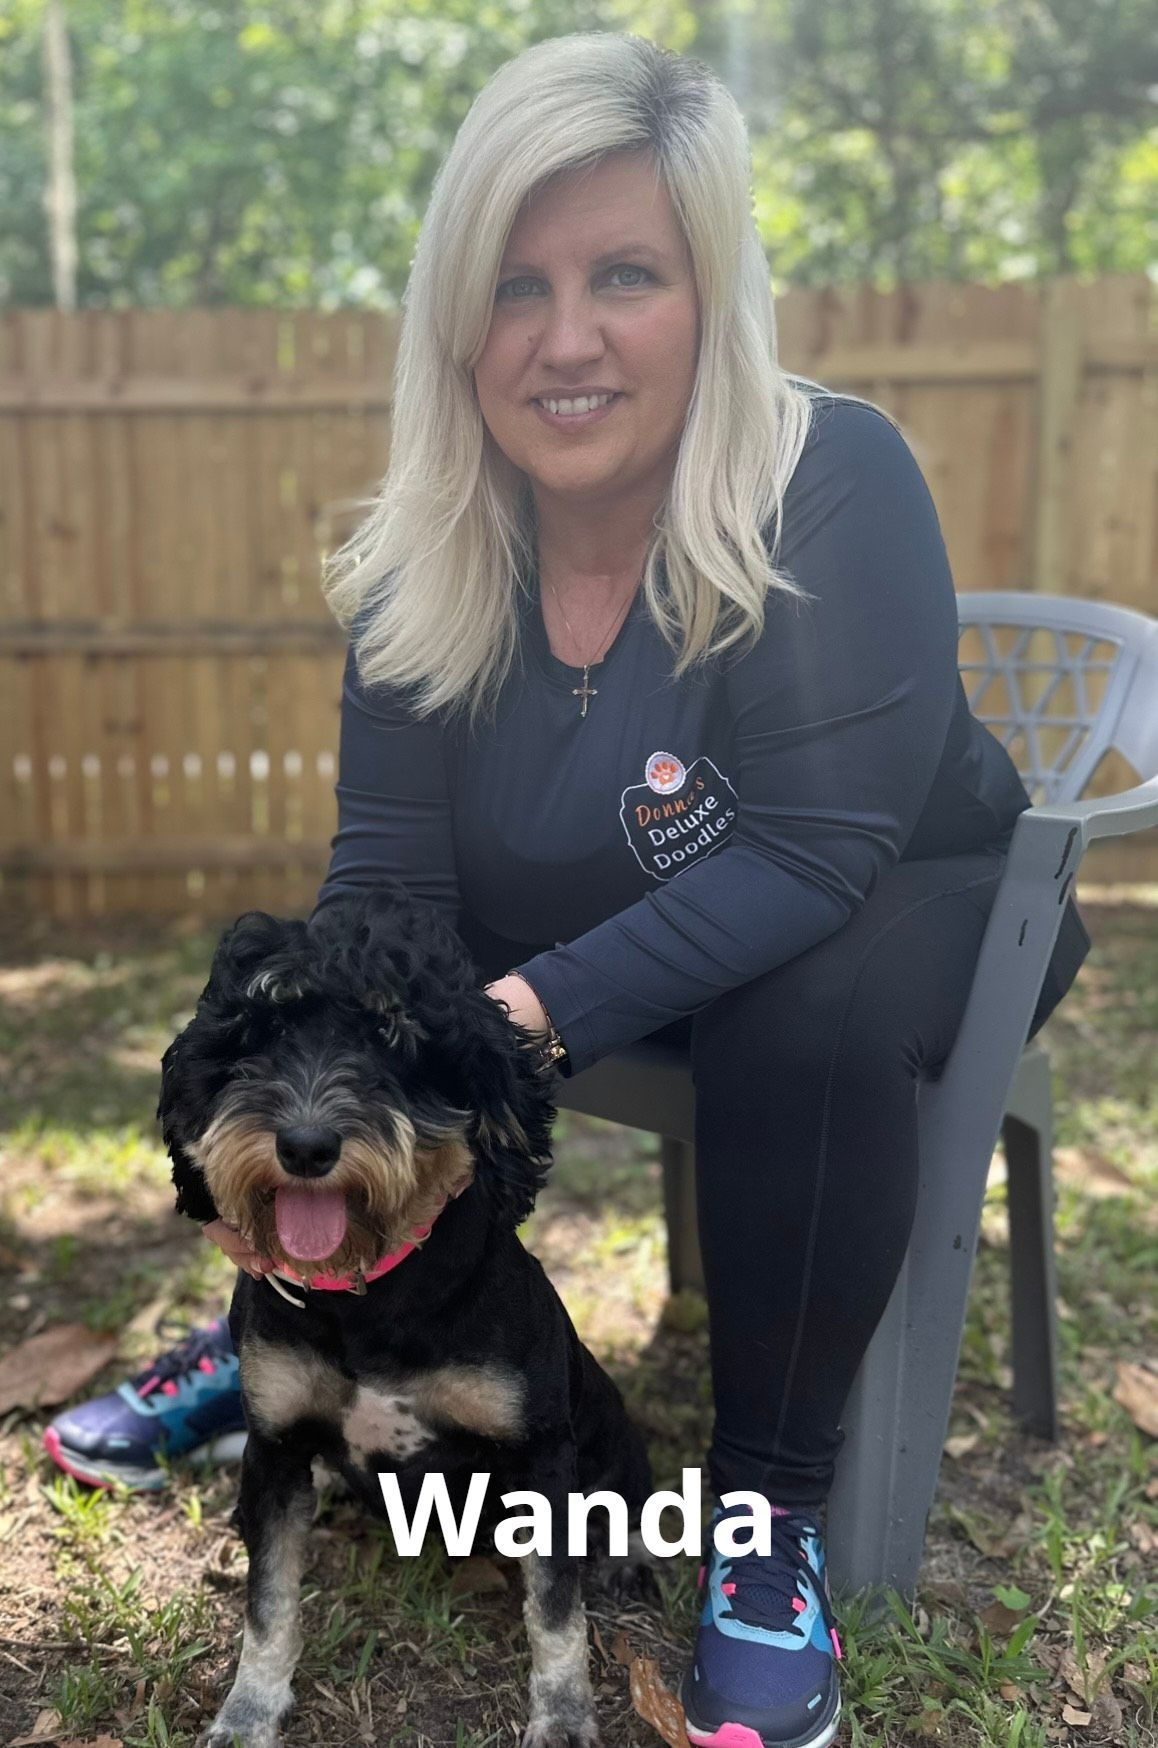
[908,139]
[282,151]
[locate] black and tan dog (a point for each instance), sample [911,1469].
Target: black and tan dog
[352,1100]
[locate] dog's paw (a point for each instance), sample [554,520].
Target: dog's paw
[624,1584]
[243,1722]
[553,1730]
[222,1734]
[629,1577]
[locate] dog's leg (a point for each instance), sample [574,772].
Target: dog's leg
[630,1577]
[612,1458]
[275,1509]
[562,1707]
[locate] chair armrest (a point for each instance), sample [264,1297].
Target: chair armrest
[1040,868]
[1045,852]
[1109,816]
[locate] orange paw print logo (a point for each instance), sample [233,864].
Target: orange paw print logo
[664,772]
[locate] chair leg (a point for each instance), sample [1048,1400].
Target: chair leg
[875,1521]
[1033,1284]
[898,1411]
[685,1267]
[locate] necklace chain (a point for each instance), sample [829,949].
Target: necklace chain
[585,691]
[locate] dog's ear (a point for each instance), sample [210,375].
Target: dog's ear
[193,1196]
[258,958]
[196,1064]
[493,1065]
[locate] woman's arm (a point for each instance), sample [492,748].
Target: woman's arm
[394,816]
[840,714]
[393,793]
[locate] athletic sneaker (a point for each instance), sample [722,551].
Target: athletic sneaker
[187,1404]
[763,1673]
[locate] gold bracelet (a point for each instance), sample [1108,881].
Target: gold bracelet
[552,1049]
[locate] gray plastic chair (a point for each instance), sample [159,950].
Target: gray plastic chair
[1060,682]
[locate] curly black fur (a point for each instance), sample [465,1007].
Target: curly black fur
[373,1020]
[365,959]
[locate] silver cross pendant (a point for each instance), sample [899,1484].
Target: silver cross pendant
[584,691]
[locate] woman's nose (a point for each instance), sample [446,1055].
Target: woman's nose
[571,333]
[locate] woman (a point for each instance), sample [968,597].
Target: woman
[652,689]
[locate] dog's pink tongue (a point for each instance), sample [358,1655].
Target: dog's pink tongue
[310,1223]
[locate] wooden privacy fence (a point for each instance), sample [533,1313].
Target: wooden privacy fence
[170,675]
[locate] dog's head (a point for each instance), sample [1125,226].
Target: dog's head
[341,1077]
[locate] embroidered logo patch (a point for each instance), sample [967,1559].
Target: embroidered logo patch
[678,815]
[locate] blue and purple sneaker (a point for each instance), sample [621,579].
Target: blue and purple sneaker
[763,1672]
[186,1405]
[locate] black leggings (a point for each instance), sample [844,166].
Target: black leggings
[806,1085]
[806,1160]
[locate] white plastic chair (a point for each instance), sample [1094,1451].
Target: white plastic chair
[1060,682]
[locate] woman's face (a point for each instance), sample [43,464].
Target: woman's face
[595,292]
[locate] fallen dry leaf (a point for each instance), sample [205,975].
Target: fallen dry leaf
[656,1704]
[1107,1717]
[988,1540]
[1143,1537]
[45,1729]
[1081,1680]
[621,1649]
[961,1442]
[1137,1392]
[1072,1715]
[49,1367]
[1009,1690]
[475,1576]
[1000,1619]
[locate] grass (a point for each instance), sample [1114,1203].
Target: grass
[1035,1619]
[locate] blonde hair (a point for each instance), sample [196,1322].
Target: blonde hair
[433,571]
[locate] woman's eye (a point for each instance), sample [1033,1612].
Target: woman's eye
[505,290]
[626,269]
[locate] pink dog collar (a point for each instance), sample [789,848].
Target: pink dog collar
[354,1283]
[349,1283]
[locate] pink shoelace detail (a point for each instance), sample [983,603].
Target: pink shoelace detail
[169,1387]
[799,1605]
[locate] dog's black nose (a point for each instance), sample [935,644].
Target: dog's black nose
[308,1149]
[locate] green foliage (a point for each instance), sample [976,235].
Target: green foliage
[282,152]
[128,1605]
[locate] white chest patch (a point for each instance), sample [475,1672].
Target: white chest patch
[381,1421]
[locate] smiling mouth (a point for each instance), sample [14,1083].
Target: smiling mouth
[575,406]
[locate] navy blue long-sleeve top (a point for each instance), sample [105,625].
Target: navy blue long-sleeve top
[686,836]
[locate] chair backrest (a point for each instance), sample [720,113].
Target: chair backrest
[1061,683]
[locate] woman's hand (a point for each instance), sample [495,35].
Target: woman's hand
[525,1007]
[228,1239]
